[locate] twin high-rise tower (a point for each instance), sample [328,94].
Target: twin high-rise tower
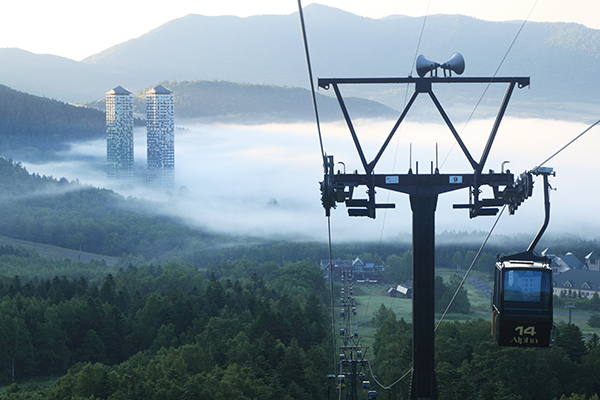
[119,134]
[160,126]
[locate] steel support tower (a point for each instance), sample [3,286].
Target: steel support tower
[423,190]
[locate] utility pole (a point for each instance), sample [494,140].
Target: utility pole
[423,191]
[570,306]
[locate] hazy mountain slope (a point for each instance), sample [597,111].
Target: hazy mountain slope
[254,49]
[58,77]
[67,214]
[218,99]
[33,127]
[226,101]
[268,49]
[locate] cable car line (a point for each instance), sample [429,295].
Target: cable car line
[310,77]
[352,341]
[323,157]
[568,144]
[333,189]
[393,384]
[419,42]
[470,268]
[412,66]
[331,293]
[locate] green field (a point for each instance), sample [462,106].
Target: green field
[370,297]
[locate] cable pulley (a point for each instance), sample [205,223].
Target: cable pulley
[523,187]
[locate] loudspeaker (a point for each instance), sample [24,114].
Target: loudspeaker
[456,63]
[424,66]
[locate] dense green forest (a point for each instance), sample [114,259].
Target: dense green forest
[167,331]
[469,365]
[173,331]
[224,319]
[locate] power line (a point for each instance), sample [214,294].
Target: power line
[492,80]
[310,77]
[470,268]
[405,101]
[420,37]
[395,382]
[314,99]
[568,144]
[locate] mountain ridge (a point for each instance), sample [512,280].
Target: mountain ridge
[252,103]
[561,58]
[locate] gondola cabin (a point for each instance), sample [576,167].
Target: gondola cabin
[522,302]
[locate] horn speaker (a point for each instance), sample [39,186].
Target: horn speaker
[456,63]
[424,66]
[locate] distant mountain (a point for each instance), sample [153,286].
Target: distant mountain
[230,101]
[58,77]
[561,58]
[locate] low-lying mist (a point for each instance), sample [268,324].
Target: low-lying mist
[263,180]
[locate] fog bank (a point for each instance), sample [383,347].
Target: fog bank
[264,180]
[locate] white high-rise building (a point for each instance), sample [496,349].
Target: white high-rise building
[119,134]
[160,125]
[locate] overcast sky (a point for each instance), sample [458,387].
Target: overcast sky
[76,29]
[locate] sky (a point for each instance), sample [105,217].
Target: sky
[77,29]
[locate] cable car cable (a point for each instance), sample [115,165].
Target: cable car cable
[462,130]
[412,66]
[395,382]
[316,111]
[420,37]
[453,297]
[470,268]
[568,144]
[310,77]
[333,333]
[493,76]
[398,136]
